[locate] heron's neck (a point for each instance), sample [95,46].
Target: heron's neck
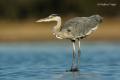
[57,28]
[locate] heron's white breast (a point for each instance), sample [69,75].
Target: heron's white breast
[58,37]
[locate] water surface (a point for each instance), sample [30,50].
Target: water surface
[49,61]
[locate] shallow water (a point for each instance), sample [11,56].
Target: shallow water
[49,61]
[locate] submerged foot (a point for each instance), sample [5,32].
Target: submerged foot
[73,70]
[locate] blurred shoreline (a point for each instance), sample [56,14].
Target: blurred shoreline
[29,30]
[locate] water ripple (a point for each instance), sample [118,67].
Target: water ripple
[33,62]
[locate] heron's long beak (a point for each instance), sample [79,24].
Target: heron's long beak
[43,20]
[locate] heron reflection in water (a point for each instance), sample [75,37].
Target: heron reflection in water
[74,29]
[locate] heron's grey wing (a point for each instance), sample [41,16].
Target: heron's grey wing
[70,27]
[78,26]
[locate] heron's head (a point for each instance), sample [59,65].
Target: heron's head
[52,17]
[98,18]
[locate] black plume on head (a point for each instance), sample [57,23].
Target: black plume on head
[54,15]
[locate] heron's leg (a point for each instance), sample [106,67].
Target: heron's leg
[79,52]
[74,55]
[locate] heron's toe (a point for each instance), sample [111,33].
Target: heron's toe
[73,70]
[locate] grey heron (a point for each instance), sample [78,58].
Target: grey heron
[74,29]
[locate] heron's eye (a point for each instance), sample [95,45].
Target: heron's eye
[69,30]
[50,16]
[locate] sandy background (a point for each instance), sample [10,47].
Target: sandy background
[29,30]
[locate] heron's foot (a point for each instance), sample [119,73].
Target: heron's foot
[75,69]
